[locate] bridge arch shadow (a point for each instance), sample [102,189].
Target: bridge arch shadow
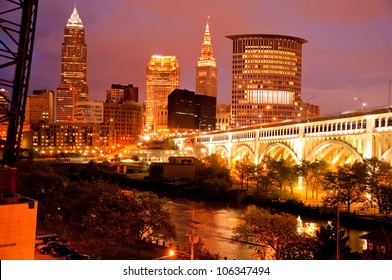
[335,152]
[279,150]
[242,151]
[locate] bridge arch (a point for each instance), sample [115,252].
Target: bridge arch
[387,156]
[243,150]
[222,150]
[280,149]
[336,151]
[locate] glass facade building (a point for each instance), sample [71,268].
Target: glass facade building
[162,77]
[266,78]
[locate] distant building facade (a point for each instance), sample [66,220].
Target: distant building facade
[206,70]
[222,116]
[190,111]
[89,111]
[124,122]
[122,93]
[71,136]
[177,168]
[266,78]
[40,107]
[3,101]
[162,77]
[65,103]
[74,57]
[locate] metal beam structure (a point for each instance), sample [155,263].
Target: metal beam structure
[17,31]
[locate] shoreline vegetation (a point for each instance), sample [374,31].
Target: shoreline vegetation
[234,197]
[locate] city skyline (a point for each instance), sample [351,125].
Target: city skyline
[346,57]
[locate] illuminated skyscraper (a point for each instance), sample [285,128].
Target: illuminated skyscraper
[206,71]
[65,103]
[74,57]
[266,78]
[162,77]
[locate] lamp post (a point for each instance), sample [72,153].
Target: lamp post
[362,103]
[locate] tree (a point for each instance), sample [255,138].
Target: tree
[273,235]
[105,212]
[262,178]
[385,200]
[346,185]
[245,169]
[214,175]
[282,173]
[379,182]
[325,245]
[312,174]
[38,181]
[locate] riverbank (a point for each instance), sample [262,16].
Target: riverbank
[361,220]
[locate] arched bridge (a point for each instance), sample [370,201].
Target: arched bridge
[343,138]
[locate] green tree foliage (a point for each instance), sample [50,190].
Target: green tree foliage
[379,183]
[346,186]
[244,170]
[214,175]
[313,174]
[282,173]
[38,181]
[105,212]
[273,236]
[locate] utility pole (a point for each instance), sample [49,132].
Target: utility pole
[193,237]
[337,232]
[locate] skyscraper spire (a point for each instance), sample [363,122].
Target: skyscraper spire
[206,57]
[75,20]
[206,71]
[207,36]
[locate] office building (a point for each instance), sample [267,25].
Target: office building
[74,57]
[222,116]
[88,112]
[40,107]
[206,70]
[3,101]
[162,77]
[190,111]
[266,78]
[122,93]
[65,103]
[72,137]
[123,121]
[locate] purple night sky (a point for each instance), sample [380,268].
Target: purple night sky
[348,54]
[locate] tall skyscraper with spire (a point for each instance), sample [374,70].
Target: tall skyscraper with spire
[74,57]
[206,71]
[162,77]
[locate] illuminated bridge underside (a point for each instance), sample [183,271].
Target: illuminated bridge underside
[339,139]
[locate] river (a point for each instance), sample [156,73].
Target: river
[216,221]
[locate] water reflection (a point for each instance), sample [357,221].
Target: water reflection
[215,227]
[217,220]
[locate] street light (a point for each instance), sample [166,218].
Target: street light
[362,103]
[171,254]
